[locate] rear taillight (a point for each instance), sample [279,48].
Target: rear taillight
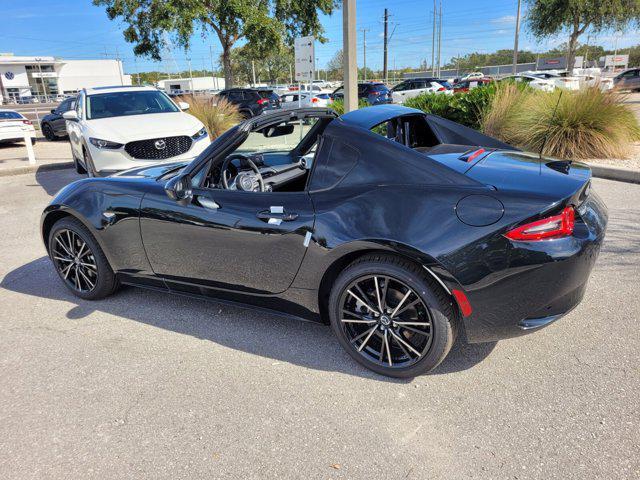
[27,122]
[551,227]
[374,93]
[314,100]
[263,101]
[441,89]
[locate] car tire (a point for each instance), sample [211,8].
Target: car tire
[435,317]
[79,168]
[90,277]
[47,131]
[88,166]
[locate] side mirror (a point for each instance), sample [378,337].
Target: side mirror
[179,188]
[70,115]
[183,105]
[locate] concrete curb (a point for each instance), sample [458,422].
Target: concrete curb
[35,168]
[618,174]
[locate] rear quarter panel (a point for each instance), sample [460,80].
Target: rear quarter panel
[119,237]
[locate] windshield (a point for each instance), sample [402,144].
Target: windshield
[7,115]
[120,104]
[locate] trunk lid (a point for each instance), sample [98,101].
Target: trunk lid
[527,172]
[507,170]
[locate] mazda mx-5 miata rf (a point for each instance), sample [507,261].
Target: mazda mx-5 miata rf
[399,228]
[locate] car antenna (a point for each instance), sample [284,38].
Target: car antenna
[544,142]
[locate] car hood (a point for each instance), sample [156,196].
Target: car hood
[140,127]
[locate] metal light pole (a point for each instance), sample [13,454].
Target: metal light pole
[386,45]
[515,42]
[440,39]
[364,53]
[433,42]
[213,75]
[349,61]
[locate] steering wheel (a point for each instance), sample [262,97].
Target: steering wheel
[244,181]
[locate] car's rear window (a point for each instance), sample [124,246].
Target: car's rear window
[9,115]
[323,96]
[378,88]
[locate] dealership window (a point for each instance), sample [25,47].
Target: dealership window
[39,82]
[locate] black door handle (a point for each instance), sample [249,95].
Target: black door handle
[284,216]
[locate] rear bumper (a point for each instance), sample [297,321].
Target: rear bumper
[15,135]
[542,282]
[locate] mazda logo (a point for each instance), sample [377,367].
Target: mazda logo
[160,144]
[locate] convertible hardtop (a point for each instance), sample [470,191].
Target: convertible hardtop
[446,131]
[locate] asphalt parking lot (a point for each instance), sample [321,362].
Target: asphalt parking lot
[145,385]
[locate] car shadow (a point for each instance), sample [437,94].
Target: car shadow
[282,339]
[53,180]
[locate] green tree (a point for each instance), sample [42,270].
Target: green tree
[261,23]
[334,66]
[550,17]
[270,67]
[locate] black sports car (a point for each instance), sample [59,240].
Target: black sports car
[400,229]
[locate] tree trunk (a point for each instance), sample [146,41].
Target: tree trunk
[226,66]
[571,54]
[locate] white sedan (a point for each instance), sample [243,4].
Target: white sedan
[534,82]
[14,127]
[304,99]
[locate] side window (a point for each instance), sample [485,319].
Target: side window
[64,106]
[80,106]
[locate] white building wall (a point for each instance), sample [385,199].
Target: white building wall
[74,75]
[15,76]
[199,83]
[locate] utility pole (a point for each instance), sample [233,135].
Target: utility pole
[349,55]
[213,75]
[290,74]
[440,39]
[515,42]
[585,63]
[386,45]
[253,72]
[364,54]
[190,75]
[119,66]
[433,42]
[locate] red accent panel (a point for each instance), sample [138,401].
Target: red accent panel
[463,302]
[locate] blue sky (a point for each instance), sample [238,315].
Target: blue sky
[77,29]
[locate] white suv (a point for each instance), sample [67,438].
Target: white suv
[117,128]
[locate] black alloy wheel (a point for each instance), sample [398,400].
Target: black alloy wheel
[47,131]
[391,317]
[79,260]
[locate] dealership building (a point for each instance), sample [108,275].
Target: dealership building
[22,78]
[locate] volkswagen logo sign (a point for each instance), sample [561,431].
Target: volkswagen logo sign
[160,144]
[9,75]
